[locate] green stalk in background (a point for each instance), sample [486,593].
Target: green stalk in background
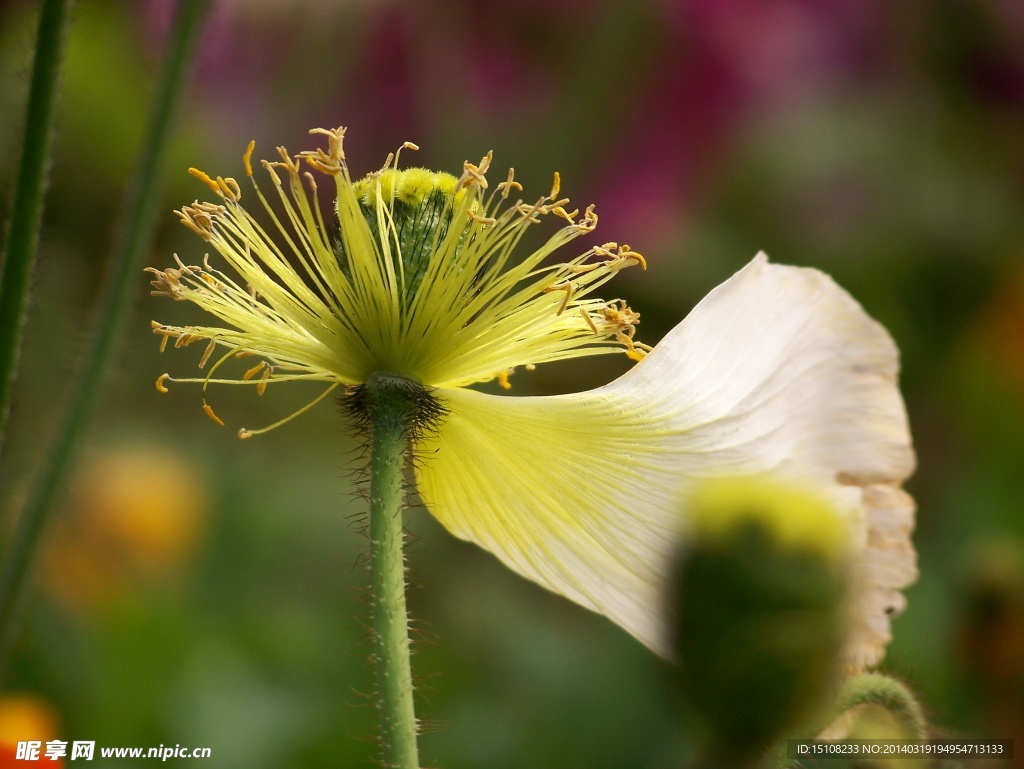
[27,207]
[141,210]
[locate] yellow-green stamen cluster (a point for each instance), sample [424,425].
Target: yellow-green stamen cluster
[421,280]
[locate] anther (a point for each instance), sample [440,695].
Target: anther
[254,370]
[569,216]
[507,185]
[229,187]
[209,351]
[590,321]
[211,415]
[565,286]
[488,221]
[262,386]
[160,386]
[529,213]
[589,222]
[247,157]
[270,169]
[335,141]
[204,178]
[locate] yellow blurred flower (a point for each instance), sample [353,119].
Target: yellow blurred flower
[777,372]
[23,717]
[135,513]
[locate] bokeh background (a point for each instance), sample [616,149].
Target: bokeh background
[203,591]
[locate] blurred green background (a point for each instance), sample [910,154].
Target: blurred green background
[205,591]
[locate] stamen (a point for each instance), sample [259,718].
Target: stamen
[507,185]
[589,222]
[160,386]
[556,186]
[273,174]
[247,157]
[488,221]
[243,433]
[211,415]
[590,321]
[229,188]
[567,287]
[254,370]
[569,216]
[209,351]
[405,146]
[204,178]
[262,386]
[503,378]
[625,252]
[335,154]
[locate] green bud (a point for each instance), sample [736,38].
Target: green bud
[759,612]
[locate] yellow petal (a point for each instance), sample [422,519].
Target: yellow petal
[777,371]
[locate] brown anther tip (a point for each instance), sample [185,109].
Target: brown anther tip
[204,178]
[160,383]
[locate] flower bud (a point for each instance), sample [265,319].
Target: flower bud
[759,610]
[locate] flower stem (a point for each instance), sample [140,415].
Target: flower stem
[27,207]
[142,207]
[390,422]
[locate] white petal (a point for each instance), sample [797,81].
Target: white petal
[778,370]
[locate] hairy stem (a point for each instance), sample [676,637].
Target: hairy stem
[883,691]
[389,418]
[27,207]
[141,210]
